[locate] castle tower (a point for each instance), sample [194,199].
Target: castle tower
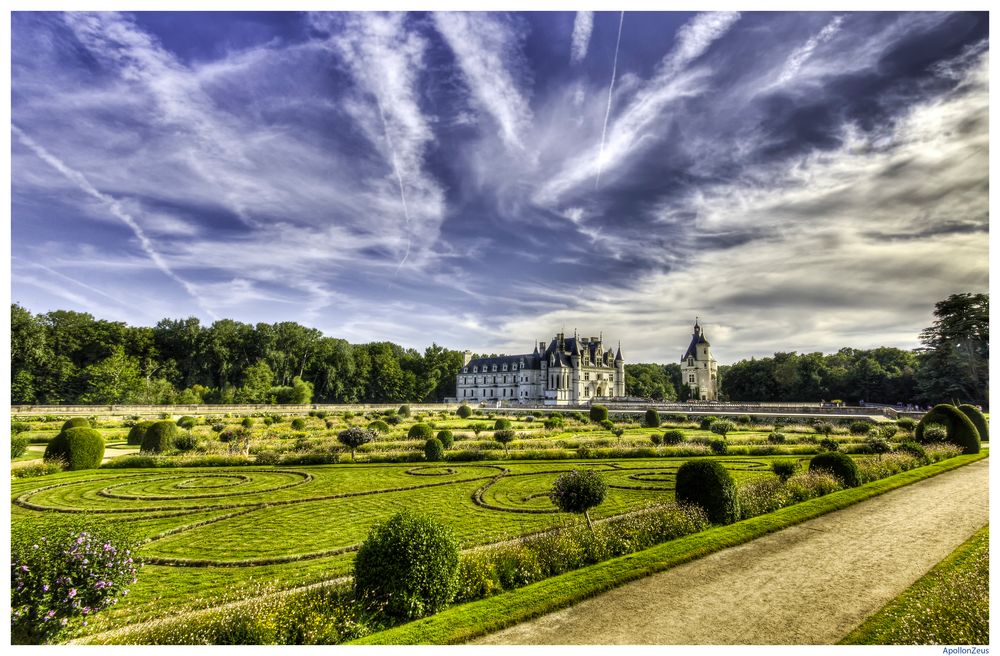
[699,370]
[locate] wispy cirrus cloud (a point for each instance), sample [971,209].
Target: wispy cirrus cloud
[487,50]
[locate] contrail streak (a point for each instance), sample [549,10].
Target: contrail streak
[81,181]
[607,115]
[399,179]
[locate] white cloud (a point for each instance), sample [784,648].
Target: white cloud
[802,54]
[487,49]
[583,26]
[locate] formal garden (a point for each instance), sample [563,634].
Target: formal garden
[288,529]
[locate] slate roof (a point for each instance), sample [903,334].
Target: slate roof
[698,337]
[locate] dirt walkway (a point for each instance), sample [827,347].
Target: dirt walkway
[808,584]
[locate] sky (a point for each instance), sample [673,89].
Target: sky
[797,181]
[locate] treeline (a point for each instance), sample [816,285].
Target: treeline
[65,357]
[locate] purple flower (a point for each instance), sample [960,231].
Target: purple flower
[79,540]
[50,614]
[24,568]
[72,593]
[45,587]
[63,621]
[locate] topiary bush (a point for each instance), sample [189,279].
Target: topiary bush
[656,439]
[80,448]
[906,424]
[247,422]
[420,432]
[185,442]
[652,418]
[404,411]
[433,450]
[829,444]
[187,422]
[504,437]
[607,424]
[137,432]
[408,565]
[784,469]
[776,438]
[464,411]
[379,426]
[673,437]
[553,423]
[352,438]
[860,427]
[978,420]
[823,427]
[722,427]
[298,424]
[961,431]
[76,422]
[502,424]
[598,413]
[578,492]
[718,447]
[159,438]
[840,465]
[446,438]
[915,450]
[708,484]
[705,423]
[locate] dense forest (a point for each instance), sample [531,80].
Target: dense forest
[71,357]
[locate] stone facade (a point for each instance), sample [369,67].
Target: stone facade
[699,370]
[568,371]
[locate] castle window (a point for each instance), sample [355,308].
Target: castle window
[465,370]
[691,378]
[690,362]
[505,367]
[494,367]
[586,376]
[475,370]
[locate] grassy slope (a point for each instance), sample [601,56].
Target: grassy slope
[947,606]
[463,623]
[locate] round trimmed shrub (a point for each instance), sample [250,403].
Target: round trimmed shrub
[185,442]
[159,437]
[745,419]
[718,447]
[218,427]
[860,427]
[776,438]
[978,420]
[379,426]
[464,411]
[829,444]
[404,411]
[76,422]
[823,427]
[408,565]
[502,424]
[906,423]
[839,464]
[247,422]
[961,431]
[446,438]
[504,437]
[652,418]
[598,413]
[722,427]
[81,448]
[914,449]
[673,437]
[420,432]
[298,424]
[784,469]
[708,484]
[706,422]
[578,492]
[553,423]
[187,422]
[137,432]
[656,439]
[352,438]
[607,424]
[433,450]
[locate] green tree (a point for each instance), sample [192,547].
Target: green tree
[954,360]
[257,381]
[115,379]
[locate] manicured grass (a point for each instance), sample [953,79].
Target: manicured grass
[468,621]
[950,605]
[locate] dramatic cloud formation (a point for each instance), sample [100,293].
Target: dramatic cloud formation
[799,181]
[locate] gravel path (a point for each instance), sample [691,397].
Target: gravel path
[807,584]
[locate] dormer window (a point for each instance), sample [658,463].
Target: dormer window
[475,370]
[690,362]
[505,367]
[494,367]
[465,370]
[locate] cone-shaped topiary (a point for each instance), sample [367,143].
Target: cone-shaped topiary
[420,432]
[76,422]
[81,448]
[978,420]
[961,431]
[708,484]
[159,437]
[135,435]
[839,464]
[408,565]
[652,418]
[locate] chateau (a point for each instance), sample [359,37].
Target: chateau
[699,371]
[569,371]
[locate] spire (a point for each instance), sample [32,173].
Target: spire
[618,356]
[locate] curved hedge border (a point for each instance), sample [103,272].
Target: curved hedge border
[462,623]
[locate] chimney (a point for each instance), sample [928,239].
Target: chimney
[466,358]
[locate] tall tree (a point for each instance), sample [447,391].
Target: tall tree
[954,361]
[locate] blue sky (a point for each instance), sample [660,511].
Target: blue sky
[800,181]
